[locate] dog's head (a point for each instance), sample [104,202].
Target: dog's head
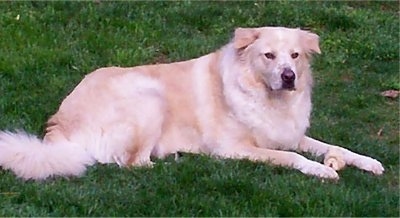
[277,55]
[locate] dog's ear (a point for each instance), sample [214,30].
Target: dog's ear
[311,42]
[244,37]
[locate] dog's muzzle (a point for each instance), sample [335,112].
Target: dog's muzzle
[288,78]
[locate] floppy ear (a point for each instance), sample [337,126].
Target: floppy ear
[244,37]
[311,42]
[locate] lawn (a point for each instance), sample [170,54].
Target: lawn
[47,47]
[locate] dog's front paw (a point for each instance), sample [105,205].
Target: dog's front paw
[316,169]
[369,164]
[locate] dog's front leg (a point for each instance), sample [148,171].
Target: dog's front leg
[316,147]
[277,157]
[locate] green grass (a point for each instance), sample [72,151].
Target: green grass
[52,45]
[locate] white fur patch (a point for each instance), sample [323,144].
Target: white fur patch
[29,158]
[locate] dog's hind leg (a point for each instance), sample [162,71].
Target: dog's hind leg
[140,152]
[316,147]
[146,131]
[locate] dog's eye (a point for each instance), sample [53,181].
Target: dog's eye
[295,55]
[269,55]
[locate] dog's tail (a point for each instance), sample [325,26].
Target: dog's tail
[30,158]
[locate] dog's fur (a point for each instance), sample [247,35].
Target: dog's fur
[233,103]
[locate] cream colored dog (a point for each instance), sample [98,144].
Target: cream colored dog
[249,100]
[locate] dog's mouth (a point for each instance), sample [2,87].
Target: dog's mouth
[288,87]
[284,87]
[279,85]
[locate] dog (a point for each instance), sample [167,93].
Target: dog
[251,99]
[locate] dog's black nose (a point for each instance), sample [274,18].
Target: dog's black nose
[288,76]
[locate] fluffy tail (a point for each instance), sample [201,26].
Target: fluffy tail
[29,158]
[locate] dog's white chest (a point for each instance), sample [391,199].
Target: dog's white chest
[280,131]
[274,126]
